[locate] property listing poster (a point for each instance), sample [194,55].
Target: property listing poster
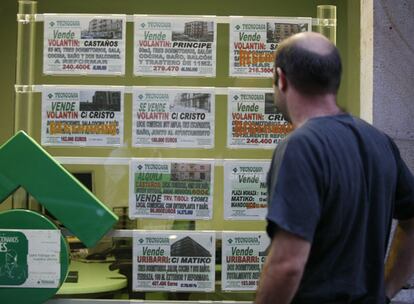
[84,44]
[245,190]
[243,257]
[254,41]
[166,189]
[173,261]
[29,258]
[181,46]
[179,118]
[91,116]
[253,119]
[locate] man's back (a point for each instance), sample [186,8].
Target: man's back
[333,182]
[334,186]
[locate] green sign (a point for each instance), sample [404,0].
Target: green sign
[13,258]
[26,221]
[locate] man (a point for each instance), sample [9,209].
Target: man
[334,186]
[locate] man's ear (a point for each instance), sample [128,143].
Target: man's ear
[281,79]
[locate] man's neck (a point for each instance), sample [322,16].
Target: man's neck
[302,108]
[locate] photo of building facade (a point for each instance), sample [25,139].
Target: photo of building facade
[103,29]
[195,31]
[187,247]
[102,101]
[190,172]
[190,102]
[270,107]
[276,32]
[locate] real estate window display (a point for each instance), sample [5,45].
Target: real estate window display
[196,29]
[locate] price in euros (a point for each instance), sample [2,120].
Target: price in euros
[169,68]
[260,141]
[260,70]
[76,67]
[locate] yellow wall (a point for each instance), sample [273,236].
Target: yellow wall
[8,30]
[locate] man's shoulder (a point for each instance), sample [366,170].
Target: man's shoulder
[336,125]
[326,131]
[338,134]
[306,134]
[302,143]
[376,136]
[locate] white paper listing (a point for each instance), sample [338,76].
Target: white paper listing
[243,256]
[253,121]
[170,45]
[253,42]
[84,44]
[176,118]
[173,261]
[92,116]
[245,190]
[178,189]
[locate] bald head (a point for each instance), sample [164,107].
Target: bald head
[310,62]
[312,42]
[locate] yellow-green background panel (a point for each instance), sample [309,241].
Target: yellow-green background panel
[348,13]
[111,182]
